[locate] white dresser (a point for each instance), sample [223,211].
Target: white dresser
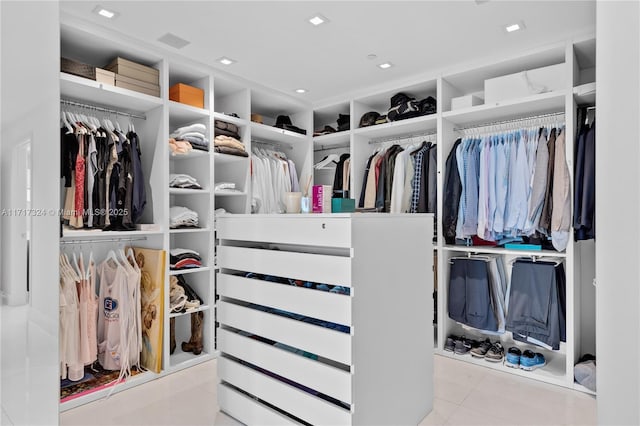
[289,353]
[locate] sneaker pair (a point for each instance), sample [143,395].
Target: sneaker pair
[458,345]
[527,360]
[492,352]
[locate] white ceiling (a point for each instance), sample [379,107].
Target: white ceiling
[276,46]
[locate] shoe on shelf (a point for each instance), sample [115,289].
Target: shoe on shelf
[513,357]
[480,351]
[495,353]
[450,344]
[530,360]
[462,346]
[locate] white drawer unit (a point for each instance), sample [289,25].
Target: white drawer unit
[325,319]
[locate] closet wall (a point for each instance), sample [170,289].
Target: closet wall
[577,88]
[154,119]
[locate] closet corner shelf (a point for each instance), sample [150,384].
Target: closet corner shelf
[96,395]
[78,234]
[275,134]
[553,372]
[510,109]
[332,140]
[416,125]
[188,230]
[196,153]
[499,250]
[82,89]
[229,119]
[585,94]
[183,113]
[188,270]
[187,191]
[180,314]
[180,360]
[227,158]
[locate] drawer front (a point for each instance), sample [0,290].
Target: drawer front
[318,268]
[248,410]
[289,229]
[290,399]
[313,374]
[318,340]
[312,303]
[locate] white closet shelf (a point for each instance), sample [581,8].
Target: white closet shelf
[189,271]
[186,191]
[76,234]
[227,158]
[553,372]
[332,139]
[180,360]
[184,113]
[509,109]
[74,88]
[399,128]
[196,153]
[97,395]
[275,134]
[498,250]
[198,309]
[188,230]
[229,119]
[581,388]
[230,194]
[585,94]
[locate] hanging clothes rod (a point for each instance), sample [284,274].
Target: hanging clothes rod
[514,120]
[272,144]
[329,148]
[400,138]
[104,240]
[102,109]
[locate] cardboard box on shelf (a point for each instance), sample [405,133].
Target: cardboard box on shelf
[134,70]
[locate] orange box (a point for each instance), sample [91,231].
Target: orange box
[186,94]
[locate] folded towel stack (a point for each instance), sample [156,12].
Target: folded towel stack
[229,145]
[183,181]
[180,217]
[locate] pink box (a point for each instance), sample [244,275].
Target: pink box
[321,200]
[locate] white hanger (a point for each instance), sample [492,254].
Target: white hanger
[66,123]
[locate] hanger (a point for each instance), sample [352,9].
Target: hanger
[474,256]
[548,259]
[331,158]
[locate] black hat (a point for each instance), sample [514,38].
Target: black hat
[283,120]
[369,118]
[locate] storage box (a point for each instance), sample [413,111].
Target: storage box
[106,77]
[77,68]
[343,205]
[321,201]
[525,83]
[465,102]
[186,94]
[137,85]
[134,70]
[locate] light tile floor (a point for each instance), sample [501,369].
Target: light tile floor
[465,394]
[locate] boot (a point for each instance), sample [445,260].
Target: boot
[195,343]
[172,335]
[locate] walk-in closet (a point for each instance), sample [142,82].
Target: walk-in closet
[332,211]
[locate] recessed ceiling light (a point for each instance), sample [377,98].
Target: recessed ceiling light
[301,90]
[225,61]
[514,27]
[372,56]
[318,19]
[105,13]
[386,65]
